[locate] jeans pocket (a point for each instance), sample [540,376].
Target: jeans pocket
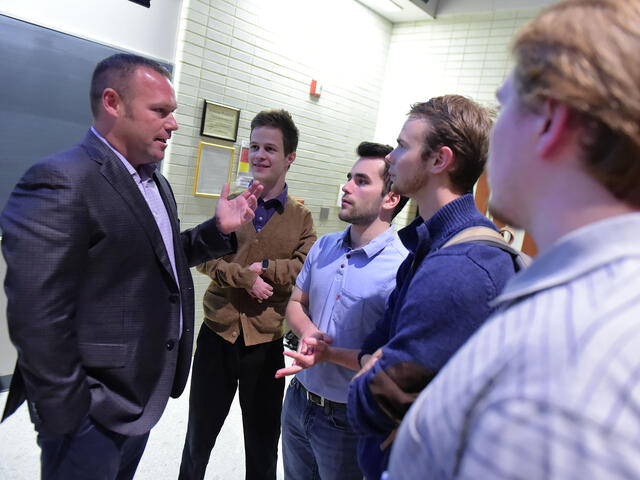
[338,418]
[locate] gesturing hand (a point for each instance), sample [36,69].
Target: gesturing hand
[232,214]
[312,350]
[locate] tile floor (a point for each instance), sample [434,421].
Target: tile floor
[20,455]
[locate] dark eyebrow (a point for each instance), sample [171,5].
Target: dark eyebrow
[362,176]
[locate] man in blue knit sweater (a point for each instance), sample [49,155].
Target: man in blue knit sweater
[442,295]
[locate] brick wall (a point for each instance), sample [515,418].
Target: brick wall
[468,55]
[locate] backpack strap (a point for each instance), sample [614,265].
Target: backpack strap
[488,236]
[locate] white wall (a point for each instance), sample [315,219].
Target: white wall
[467,55]
[151,32]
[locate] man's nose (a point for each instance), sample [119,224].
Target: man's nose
[172,125]
[258,152]
[389,157]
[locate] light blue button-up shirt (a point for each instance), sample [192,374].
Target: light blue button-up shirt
[549,388]
[347,290]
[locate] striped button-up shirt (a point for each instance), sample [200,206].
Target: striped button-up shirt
[549,387]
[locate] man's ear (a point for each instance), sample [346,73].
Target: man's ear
[290,158]
[554,124]
[112,102]
[390,201]
[441,160]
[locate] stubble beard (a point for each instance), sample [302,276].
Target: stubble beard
[355,217]
[410,187]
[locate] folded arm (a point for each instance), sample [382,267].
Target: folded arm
[284,271]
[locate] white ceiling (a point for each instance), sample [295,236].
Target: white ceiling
[409,11]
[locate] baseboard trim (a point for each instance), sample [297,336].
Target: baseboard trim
[5,381]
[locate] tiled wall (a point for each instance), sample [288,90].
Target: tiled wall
[468,55]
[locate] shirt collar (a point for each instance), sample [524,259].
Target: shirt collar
[144,171]
[372,248]
[575,254]
[281,198]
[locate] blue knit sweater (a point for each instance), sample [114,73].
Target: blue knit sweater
[441,298]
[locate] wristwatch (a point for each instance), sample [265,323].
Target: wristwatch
[265,264]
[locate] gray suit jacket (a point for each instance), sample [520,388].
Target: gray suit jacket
[93,305]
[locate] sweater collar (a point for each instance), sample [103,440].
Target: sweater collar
[447,221]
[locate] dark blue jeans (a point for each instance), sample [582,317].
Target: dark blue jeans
[317,442]
[91,452]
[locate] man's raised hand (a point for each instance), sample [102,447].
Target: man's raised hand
[232,214]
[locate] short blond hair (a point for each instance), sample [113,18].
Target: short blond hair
[586,55]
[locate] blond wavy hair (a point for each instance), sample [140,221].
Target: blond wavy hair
[586,54]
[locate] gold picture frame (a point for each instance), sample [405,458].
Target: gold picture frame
[219,121]
[213,170]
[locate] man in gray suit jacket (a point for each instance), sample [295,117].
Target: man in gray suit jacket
[100,297]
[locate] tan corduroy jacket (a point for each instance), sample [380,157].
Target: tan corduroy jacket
[285,241]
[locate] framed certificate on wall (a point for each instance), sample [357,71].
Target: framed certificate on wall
[213,170]
[219,121]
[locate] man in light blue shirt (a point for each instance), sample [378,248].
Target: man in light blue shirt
[550,386]
[340,294]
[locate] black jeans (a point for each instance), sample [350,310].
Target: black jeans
[219,368]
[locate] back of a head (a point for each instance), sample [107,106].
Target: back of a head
[584,54]
[115,72]
[462,125]
[280,119]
